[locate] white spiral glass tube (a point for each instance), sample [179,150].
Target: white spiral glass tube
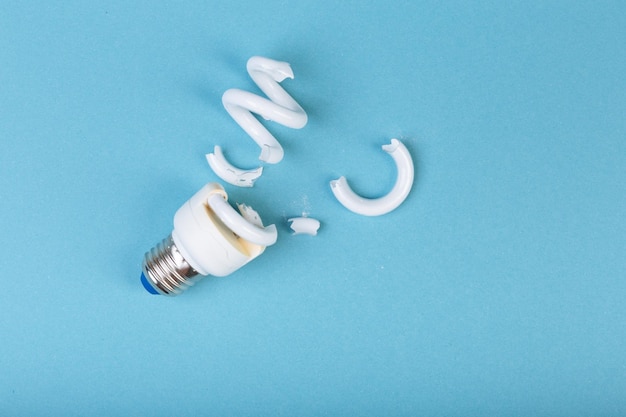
[279,107]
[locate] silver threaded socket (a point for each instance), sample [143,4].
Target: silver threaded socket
[166,270]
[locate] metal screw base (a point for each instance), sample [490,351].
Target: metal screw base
[166,269]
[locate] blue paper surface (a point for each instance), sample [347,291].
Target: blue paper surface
[497,288]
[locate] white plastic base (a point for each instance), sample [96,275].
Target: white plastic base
[205,242]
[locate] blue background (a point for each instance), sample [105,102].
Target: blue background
[497,288]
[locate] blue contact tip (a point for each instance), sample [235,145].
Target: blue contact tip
[147,285]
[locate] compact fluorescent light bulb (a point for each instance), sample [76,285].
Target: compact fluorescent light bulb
[209,238]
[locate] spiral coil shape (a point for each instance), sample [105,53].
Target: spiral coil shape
[279,107]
